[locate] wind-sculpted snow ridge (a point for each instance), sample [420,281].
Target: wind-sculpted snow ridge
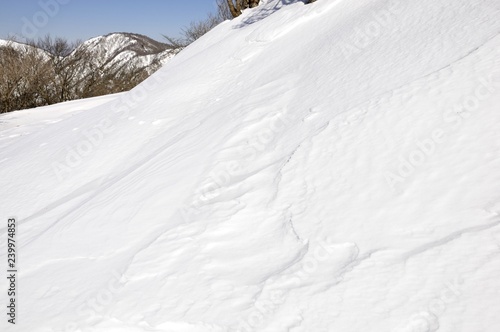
[322,167]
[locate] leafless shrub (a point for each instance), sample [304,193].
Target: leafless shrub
[50,71]
[22,77]
[197,29]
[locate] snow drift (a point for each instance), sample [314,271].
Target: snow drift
[323,167]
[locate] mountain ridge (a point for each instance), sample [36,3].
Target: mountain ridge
[115,48]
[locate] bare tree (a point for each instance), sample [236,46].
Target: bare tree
[69,63]
[223,11]
[236,7]
[23,70]
[52,70]
[226,10]
[197,29]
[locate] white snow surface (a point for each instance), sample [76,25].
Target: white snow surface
[323,167]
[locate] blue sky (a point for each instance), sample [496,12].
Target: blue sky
[83,19]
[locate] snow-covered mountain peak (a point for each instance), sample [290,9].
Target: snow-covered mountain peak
[127,49]
[118,42]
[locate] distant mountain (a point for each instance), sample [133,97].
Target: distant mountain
[128,49]
[117,50]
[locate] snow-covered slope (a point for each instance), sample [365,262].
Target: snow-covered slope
[323,167]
